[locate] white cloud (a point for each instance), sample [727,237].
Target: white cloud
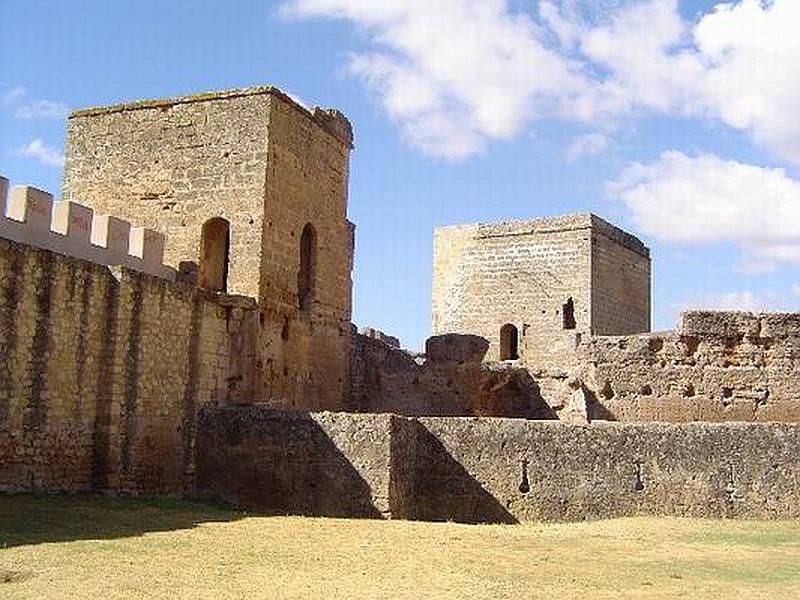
[705,198]
[18,100]
[42,109]
[751,51]
[12,96]
[456,73]
[746,300]
[452,73]
[40,151]
[589,144]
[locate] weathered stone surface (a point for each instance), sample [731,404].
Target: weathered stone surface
[496,470]
[556,280]
[269,168]
[103,370]
[331,464]
[717,366]
[379,335]
[453,347]
[386,379]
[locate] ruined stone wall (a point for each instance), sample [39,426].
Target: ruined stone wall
[717,366]
[269,167]
[495,470]
[557,280]
[103,371]
[450,379]
[519,273]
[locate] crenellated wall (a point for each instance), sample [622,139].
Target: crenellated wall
[104,369]
[30,216]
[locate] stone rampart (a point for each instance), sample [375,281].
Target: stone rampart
[103,370]
[495,470]
[30,216]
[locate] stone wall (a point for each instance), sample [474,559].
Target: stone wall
[620,283]
[268,168]
[104,369]
[330,464]
[717,366]
[450,379]
[495,470]
[305,350]
[540,276]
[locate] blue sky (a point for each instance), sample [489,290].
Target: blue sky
[673,120]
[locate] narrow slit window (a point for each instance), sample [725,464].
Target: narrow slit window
[306,276]
[568,312]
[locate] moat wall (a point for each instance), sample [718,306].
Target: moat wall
[495,470]
[103,371]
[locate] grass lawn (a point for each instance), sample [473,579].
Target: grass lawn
[98,548]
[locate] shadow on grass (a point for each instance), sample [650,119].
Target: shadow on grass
[35,519]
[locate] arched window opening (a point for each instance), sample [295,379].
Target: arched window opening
[214,249]
[568,313]
[306,276]
[509,342]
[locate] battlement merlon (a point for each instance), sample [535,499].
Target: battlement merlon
[30,216]
[544,225]
[329,119]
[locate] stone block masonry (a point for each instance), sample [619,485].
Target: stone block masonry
[536,288]
[250,189]
[103,371]
[495,470]
[717,366]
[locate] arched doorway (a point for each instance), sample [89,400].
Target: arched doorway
[214,249]
[306,276]
[509,342]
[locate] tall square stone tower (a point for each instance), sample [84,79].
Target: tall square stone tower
[250,189]
[535,288]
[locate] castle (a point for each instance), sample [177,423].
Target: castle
[177,322]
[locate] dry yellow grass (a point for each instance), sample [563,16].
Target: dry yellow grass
[90,547]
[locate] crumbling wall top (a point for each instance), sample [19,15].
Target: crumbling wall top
[331,120]
[708,323]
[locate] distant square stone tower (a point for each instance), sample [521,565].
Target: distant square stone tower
[534,288]
[250,189]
